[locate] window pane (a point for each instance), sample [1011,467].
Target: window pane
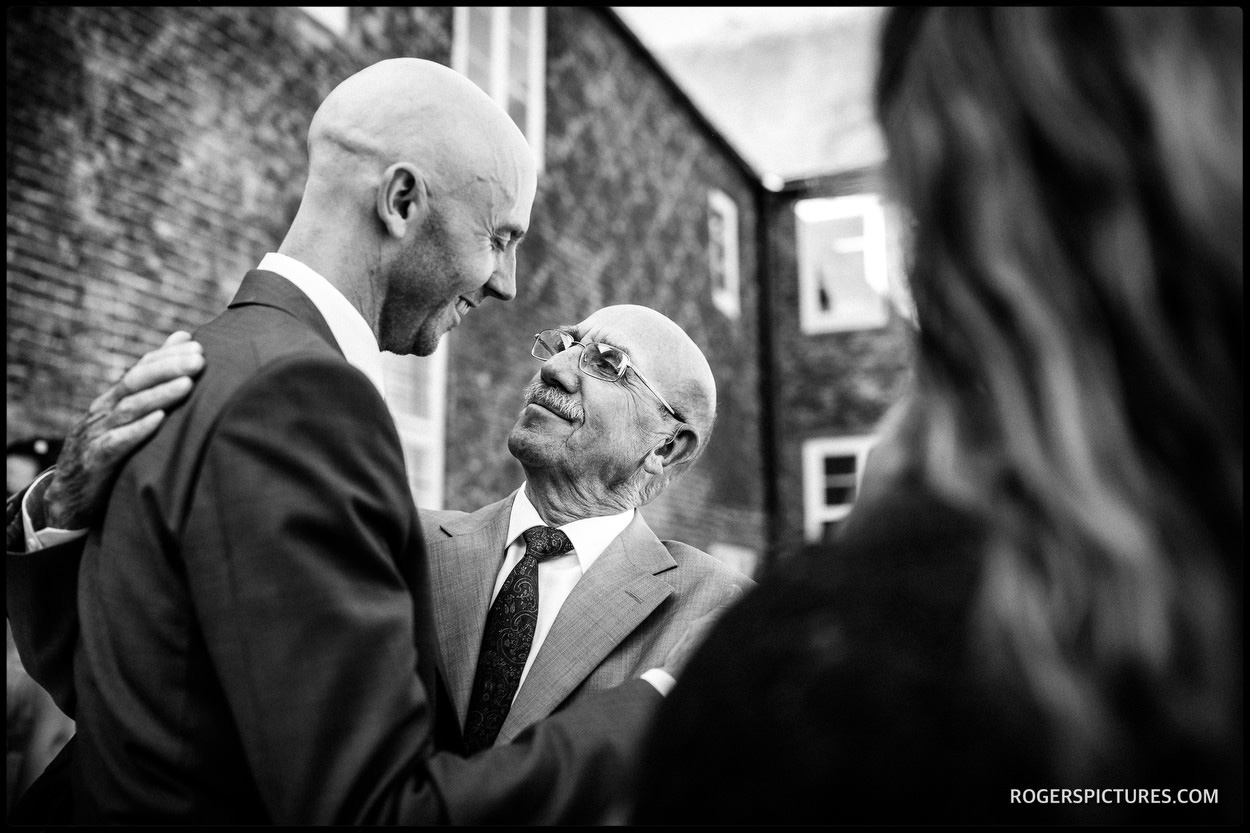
[837,257]
[334,18]
[830,480]
[842,264]
[407,384]
[722,229]
[416,461]
[478,71]
[839,495]
[519,23]
[519,45]
[519,65]
[479,27]
[502,50]
[416,395]
[824,299]
[847,233]
[479,22]
[716,249]
[720,280]
[839,465]
[518,109]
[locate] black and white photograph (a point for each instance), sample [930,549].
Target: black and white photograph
[624,416]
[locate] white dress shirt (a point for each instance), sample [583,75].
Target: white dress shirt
[353,334]
[557,576]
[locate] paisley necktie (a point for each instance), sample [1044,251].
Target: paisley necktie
[506,640]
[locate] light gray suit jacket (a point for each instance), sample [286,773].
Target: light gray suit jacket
[622,618]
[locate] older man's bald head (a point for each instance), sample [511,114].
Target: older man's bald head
[668,356]
[591,439]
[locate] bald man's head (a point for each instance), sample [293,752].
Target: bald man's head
[602,442]
[671,360]
[417,110]
[419,189]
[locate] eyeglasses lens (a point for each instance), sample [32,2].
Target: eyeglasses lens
[604,361]
[548,343]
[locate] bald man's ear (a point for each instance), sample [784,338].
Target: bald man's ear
[403,198]
[680,449]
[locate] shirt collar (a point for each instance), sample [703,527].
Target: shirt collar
[351,331]
[590,536]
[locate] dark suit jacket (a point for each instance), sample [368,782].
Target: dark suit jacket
[256,642]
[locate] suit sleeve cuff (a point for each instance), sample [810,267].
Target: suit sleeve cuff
[660,679]
[48,536]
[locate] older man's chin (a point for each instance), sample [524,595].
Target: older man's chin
[533,437]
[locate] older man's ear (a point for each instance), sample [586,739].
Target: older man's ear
[680,448]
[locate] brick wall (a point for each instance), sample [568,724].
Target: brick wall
[155,153]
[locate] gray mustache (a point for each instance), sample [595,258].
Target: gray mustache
[555,400]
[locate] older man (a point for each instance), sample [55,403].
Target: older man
[622,405]
[256,640]
[598,438]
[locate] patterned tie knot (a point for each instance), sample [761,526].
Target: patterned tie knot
[545,542]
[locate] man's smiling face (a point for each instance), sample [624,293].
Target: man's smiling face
[586,428]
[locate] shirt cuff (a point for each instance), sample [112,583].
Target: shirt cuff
[48,536]
[660,679]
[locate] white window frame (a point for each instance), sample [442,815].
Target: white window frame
[816,512]
[334,18]
[422,433]
[725,295]
[874,312]
[497,86]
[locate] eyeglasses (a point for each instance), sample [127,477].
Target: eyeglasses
[602,361]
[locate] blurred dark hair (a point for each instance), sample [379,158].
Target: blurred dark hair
[1074,180]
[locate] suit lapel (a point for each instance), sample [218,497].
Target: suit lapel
[466,553]
[270,289]
[616,595]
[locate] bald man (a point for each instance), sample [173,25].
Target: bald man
[622,405]
[256,641]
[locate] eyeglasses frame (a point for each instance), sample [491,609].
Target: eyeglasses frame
[581,364]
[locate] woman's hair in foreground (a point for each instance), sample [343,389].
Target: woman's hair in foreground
[1074,180]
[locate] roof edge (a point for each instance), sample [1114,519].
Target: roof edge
[756,177]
